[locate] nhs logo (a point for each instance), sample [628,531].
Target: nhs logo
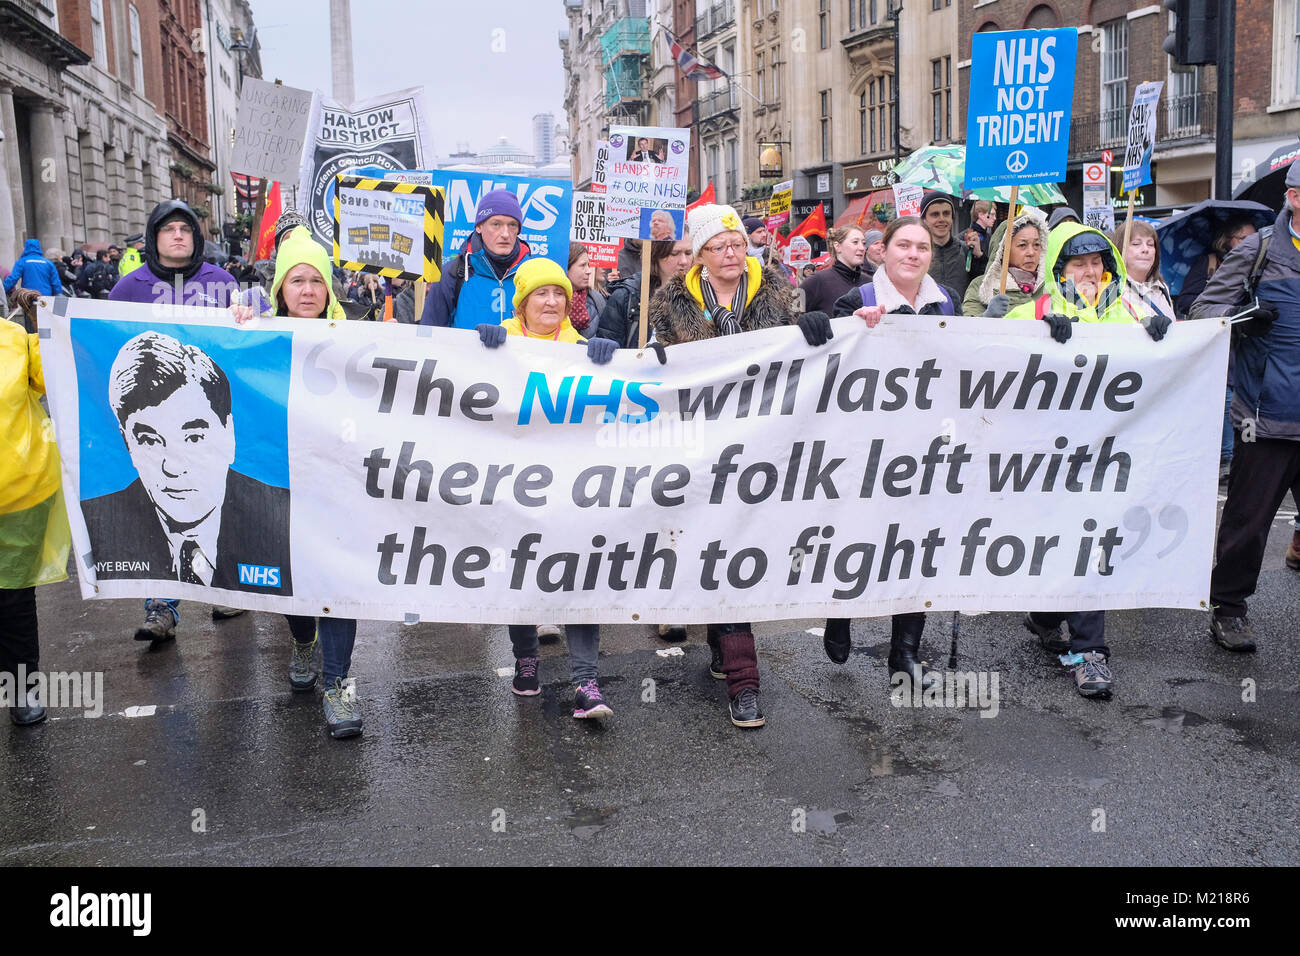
[259,575]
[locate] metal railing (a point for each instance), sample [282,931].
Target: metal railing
[719,101]
[714,19]
[1185,117]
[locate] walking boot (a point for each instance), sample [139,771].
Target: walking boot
[904,652]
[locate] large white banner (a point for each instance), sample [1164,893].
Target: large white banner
[408,473]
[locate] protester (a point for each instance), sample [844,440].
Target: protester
[1266,462]
[75,263]
[1085,283]
[370,293]
[948,260]
[67,278]
[587,303]
[620,320]
[846,271]
[542,301]
[1062,214]
[34,536]
[1144,290]
[758,238]
[97,278]
[174,273]
[33,271]
[979,237]
[1026,270]
[903,285]
[875,240]
[737,295]
[322,646]
[480,281]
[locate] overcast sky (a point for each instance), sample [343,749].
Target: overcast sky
[487,66]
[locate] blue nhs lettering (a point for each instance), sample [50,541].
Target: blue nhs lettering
[259,575]
[574,396]
[539,203]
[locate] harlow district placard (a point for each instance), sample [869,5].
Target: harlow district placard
[404,473]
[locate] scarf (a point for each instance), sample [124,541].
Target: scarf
[502,264]
[1027,281]
[727,320]
[578,315]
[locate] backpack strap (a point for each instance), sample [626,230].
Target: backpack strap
[868,293]
[1252,280]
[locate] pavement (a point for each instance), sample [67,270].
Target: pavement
[203,755]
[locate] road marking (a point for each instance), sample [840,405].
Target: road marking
[671,652]
[817,631]
[505,672]
[144,710]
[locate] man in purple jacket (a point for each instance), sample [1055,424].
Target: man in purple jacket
[174,273]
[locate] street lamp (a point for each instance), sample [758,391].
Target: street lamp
[894,10]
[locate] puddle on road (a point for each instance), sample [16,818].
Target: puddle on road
[586,822]
[1169,718]
[826,822]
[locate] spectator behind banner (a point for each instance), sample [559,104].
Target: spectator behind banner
[1233,234]
[478,285]
[1026,271]
[97,277]
[34,536]
[620,320]
[33,271]
[875,240]
[1265,409]
[848,270]
[1145,291]
[587,302]
[1060,215]
[979,237]
[948,261]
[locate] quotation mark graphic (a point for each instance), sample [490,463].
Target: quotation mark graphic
[321,381]
[1171,518]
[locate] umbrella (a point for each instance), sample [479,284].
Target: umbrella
[1268,185]
[213,253]
[1187,237]
[943,169]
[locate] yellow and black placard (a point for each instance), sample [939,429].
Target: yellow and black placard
[378,248]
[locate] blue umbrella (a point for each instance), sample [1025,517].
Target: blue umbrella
[1187,237]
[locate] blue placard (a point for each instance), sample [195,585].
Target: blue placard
[1021,92]
[547,205]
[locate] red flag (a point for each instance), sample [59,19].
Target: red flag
[814,225]
[266,237]
[706,198]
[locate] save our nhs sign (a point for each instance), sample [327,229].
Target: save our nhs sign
[1018,121]
[547,205]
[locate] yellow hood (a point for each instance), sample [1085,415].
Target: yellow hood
[753,275]
[298,248]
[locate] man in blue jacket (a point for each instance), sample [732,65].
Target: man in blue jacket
[479,284]
[1265,407]
[34,271]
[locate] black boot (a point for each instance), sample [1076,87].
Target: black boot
[836,640]
[905,648]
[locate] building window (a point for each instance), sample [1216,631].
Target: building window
[759,78]
[733,173]
[858,14]
[826,125]
[941,98]
[713,165]
[776,74]
[1114,81]
[875,12]
[823,24]
[1286,52]
[100,47]
[862,122]
[936,5]
[137,59]
[1183,101]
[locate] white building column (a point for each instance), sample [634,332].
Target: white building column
[53,199]
[11,197]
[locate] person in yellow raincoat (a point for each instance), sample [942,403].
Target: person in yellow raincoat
[34,536]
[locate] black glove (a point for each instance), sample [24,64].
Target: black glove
[1258,321]
[1157,326]
[816,328]
[600,351]
[1060,326]
[660,351]
[491,335]
[998,306]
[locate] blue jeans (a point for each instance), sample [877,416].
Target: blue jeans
[338,635]
[173,605]
[1225,450]
[583,641]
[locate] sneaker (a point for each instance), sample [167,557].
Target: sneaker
[28,712]
[744,709]
[526,683]
[221,613]
[715,663]
[549,633]
[588,702]
[304,664]
[1050,637]
[159,623]
[672,632]
[342,710]
[1091,675]
[1233,633]
[1293,552]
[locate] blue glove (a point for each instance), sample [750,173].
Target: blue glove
[491,335]
[1157,326]
[1060,326]
[600,351]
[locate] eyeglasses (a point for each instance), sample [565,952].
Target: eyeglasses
[722,249]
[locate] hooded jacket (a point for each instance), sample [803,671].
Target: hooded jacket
[299,248]
[470,292]
[34,271]
[822,289]
[620,319]
[201,283]
[984,287]
[948,264]
[677,310]
[33,522]
[1266,368]
[1110,304]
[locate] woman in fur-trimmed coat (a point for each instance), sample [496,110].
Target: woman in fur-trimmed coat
[724,293]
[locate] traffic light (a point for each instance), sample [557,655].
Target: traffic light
[1195,38]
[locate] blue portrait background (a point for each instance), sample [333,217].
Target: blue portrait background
[256,363]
